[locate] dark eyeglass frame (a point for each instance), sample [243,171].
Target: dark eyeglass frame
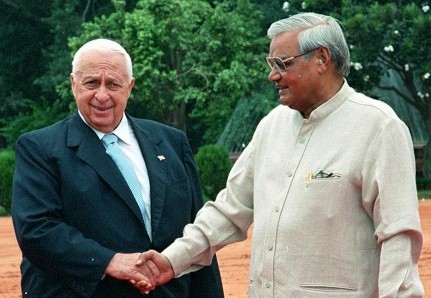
[280,65]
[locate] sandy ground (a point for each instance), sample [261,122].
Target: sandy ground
[233,260]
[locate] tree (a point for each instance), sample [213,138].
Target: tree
[192,60]
[22,35]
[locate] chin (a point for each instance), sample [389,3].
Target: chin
[284,102]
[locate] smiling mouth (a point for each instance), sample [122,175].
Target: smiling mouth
[281,90]
[101,109]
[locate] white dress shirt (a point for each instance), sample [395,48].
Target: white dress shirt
[130,147]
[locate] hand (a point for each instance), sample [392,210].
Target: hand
[123,266]
[157,264]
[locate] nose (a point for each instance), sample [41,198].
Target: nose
[274,75]
[102,94]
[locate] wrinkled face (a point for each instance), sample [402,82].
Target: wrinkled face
[298,83]
[101,88]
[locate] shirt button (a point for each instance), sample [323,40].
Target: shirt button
[267,285]
[289,174]
[276,209]
[270,247]
[301,139]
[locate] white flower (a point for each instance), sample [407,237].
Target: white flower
[420,95]
[425,8]
[396,32]
[427,95]
[366,78]
[357,66]
[426,76]
[304,5]
[351,47]
[406,67]
[286,6]
[389,48]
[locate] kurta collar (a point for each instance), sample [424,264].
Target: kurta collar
[332,104]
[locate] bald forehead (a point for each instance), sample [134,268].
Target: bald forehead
[95,62]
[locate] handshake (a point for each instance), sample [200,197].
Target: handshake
[144,271]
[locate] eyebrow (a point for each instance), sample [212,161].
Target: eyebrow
[98,77]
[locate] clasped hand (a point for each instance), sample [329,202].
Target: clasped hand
[144,271]
[157,269]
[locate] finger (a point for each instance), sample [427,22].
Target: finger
[143,287]
[153,268]
[144,282]
[148,273]
[143,257]
[144,291]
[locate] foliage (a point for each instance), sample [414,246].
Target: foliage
[185,71]
[7,165]
[424,194]
[37,117]
[423,183]
[246,116]
[213,165]
[20,60]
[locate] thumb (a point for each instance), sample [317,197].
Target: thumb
[143,257]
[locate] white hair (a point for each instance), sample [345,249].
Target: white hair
[317,30]
[103,45]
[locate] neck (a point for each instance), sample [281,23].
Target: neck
[325,92]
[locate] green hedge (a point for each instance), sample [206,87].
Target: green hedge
[213,165]
[7,165]
[423,183]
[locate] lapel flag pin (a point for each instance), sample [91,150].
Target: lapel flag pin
[161,157]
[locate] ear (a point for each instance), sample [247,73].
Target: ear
[131,84]
[323,56]
[323,59]
[72,83]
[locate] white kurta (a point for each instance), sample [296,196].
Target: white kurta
[355,233]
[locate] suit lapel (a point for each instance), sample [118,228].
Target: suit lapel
[91,150]
[156,161]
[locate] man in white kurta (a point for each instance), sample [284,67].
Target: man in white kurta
[329,186]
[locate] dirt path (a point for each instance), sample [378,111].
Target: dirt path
[233,260]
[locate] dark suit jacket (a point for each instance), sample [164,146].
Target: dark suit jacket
[72,210]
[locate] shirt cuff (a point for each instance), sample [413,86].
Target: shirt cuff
[179,258]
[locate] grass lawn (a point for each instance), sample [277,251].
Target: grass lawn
[424,194]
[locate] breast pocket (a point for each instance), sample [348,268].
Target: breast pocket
[326,196]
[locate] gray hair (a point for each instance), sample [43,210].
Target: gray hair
[103,45]
[317,30]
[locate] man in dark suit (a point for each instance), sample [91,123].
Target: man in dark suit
[76,220]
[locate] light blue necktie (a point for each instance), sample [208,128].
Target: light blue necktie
[112,149]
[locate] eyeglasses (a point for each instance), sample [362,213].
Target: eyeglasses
[282,64]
